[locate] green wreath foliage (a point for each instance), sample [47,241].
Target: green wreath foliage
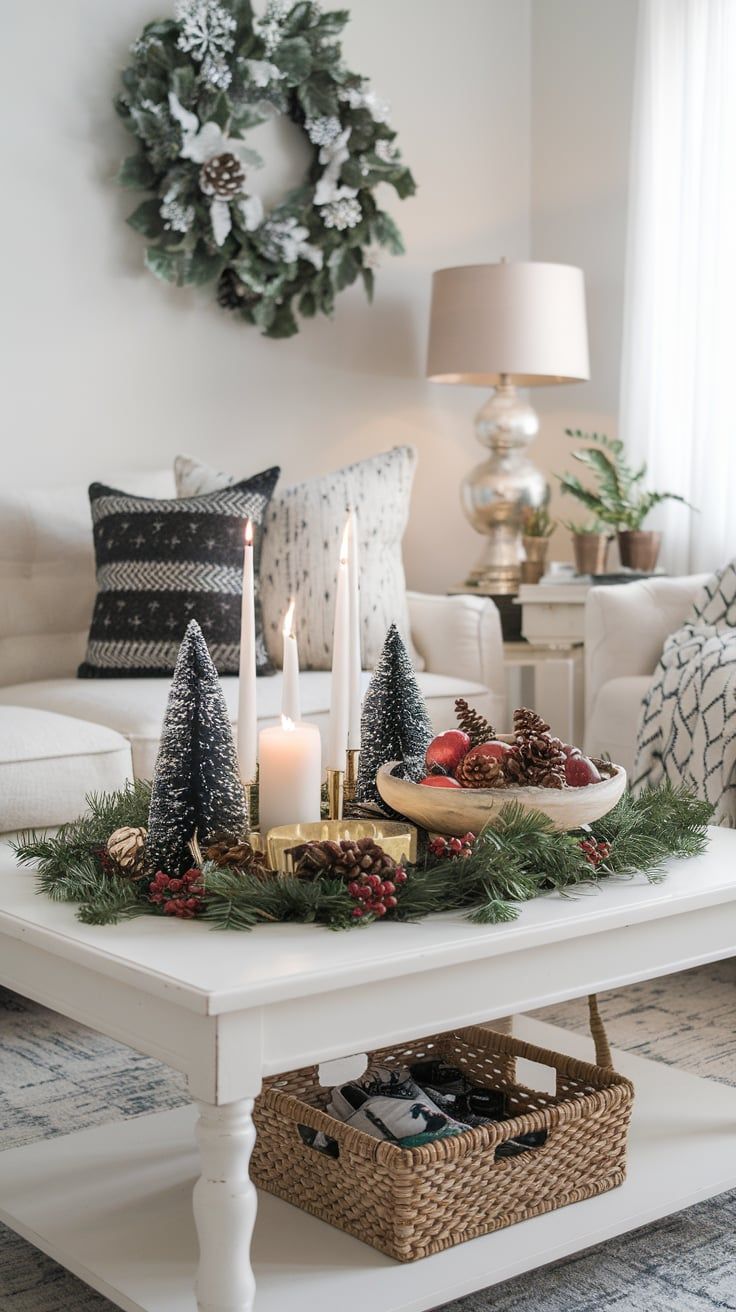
[194,87]
[518,856]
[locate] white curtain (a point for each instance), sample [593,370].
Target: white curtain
[678,399]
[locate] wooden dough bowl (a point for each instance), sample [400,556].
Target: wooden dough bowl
[458,811]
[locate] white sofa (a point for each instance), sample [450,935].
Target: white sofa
[625,630]
[61,737]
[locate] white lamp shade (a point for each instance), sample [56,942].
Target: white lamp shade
[524,320]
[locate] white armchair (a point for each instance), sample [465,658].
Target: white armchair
[626,627]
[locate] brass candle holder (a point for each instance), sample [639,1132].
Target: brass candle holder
[336,793]
[351,774]
[398,840]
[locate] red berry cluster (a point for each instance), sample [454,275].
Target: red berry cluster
[595,852]
[178,897]
[375,895]
[109,867]
[450,849]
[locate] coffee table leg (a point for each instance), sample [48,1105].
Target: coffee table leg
[225,1207]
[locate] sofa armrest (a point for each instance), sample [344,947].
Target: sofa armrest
[459,636]
[626,627]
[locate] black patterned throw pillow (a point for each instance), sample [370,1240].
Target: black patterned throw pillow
[162,563]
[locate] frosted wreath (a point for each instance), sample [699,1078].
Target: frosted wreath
[195,86]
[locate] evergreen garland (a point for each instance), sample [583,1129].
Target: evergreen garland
[517,857]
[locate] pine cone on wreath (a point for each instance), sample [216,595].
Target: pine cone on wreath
[471,722]
[479,771]
[127,848]
[236,855]
[536,759]
[344,860]
[232,293]
[222,177]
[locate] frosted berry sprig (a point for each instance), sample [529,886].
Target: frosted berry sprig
[183,897]
[595,851]
[375,896]
[452,849]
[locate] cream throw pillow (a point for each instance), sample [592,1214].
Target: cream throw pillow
[303,529]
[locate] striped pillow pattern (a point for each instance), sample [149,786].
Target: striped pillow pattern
[162,563]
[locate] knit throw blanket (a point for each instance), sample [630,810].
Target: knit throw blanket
[687,728]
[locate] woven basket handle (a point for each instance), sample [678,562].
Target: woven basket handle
[597,1030]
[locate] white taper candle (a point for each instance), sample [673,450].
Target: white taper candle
[290,698]
[247,735]
[355,661]
[337,731]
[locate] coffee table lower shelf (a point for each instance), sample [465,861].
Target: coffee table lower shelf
[113,1205]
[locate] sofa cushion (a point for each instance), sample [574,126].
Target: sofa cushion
[135,707]
[614,719]
[47,576]
[164,561]
[49,762]
[301,548]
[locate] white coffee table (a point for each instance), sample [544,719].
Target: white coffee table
[114,1204]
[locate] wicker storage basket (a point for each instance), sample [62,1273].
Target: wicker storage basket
[409,1202]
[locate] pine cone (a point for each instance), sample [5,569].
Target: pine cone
[343,860]
[232,293]
[479,771]
[237,855]
[536,758]
[473,723]
[222,177]
[526,721]
[127,848]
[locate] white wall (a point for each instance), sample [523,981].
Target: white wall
[107,369]
[582,83]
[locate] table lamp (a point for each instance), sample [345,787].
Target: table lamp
[506,326]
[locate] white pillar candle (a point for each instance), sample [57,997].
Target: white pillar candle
[290,776]
[337,732]
[290,699]
[355,661]
[247,737]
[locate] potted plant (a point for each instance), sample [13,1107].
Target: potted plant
[536,529]
[590,543]
[619,501]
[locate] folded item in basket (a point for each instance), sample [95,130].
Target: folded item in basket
[408,1121]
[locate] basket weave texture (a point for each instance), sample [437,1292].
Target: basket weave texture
[410,1202]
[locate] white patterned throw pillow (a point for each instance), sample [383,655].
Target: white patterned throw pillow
[303,529]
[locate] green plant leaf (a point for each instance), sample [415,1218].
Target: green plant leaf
[318,97]
[169,266]
[368,282]
[147,219]
[387,233]
[294,58]
[136,172]
[204,265]
[183,83]
[403,184]
[283,323]
[345,267]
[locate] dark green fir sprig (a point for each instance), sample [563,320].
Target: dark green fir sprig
[518,856]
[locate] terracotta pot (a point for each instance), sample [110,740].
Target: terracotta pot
[533,567]
[639,550]
[591,552]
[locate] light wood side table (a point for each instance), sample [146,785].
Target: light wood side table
[550,679]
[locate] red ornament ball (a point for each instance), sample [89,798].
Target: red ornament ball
[439,781]
[447,751]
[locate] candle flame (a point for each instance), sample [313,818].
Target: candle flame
[287,724]
[249,532]
[288,628]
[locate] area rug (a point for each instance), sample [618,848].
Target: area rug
[56,1077]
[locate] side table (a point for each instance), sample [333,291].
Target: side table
[558,693]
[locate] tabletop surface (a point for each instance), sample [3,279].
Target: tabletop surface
[209,971]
